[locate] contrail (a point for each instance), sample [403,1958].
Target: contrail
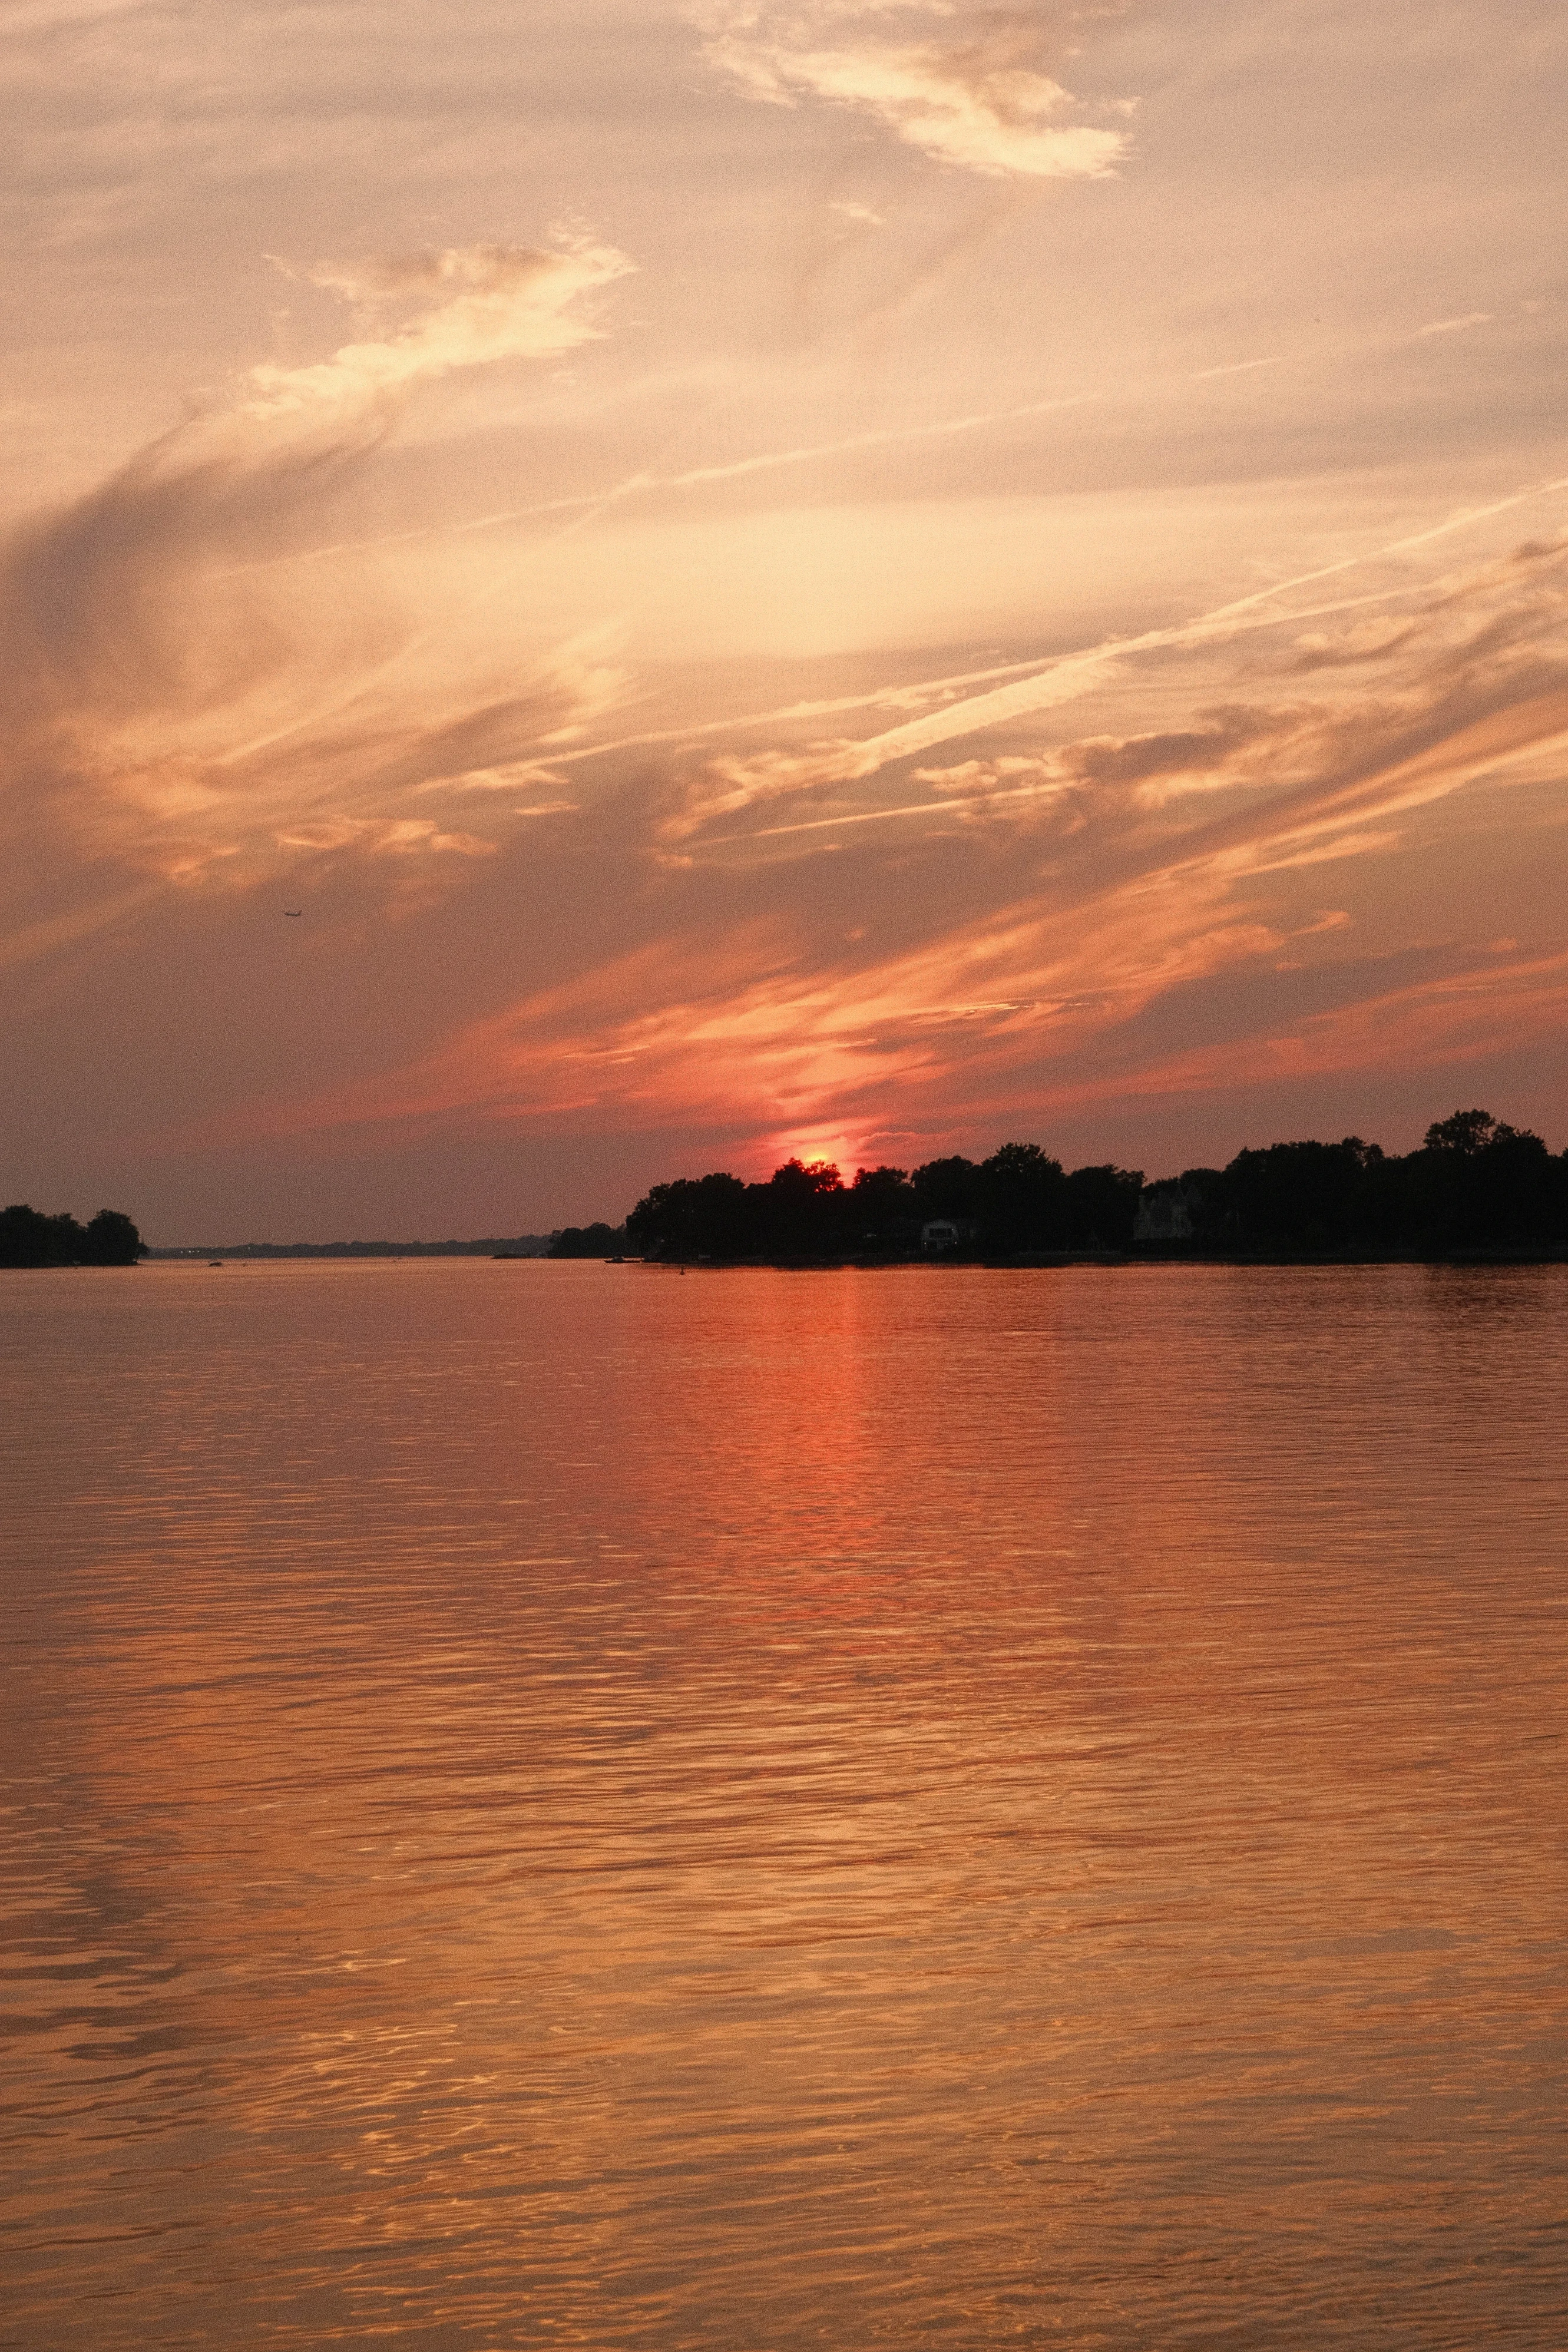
[1065,679]
[786,713]
[647,483]
[1075,672]
[883,817]
[1053,684]
[590,503]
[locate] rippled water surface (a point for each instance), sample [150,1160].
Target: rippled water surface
[574,1805]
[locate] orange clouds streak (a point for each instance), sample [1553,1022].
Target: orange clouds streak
[1109,880]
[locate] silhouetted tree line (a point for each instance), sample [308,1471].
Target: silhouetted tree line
[1019,1200]
[1475,1184]
[588,1241]
[28,1237]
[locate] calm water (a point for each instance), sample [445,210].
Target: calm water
[577,1806]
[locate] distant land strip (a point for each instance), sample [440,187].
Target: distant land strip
[1476,1189]
[518,1245]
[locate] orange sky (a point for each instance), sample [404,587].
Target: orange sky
[868,578]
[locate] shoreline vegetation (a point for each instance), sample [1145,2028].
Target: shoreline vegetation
[1477,1191]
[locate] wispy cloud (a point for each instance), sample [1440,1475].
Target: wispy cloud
[1090,917]
[477,304]
[1453,326]
[972,86]
[733,782]
[139,654]
[398,837]
[1236,367]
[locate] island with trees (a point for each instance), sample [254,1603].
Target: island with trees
[1476,1187]
[28,1237]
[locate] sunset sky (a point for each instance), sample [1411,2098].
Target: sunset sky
[840,577]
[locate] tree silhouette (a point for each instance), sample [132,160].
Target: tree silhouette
[1463,1131]
[1024,1198]
[28,1237]
[585,1241]
[1475,1184]
[881,1205]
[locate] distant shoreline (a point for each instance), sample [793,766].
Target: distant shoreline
[1477,1193]
[1021,1262]
[519,1245]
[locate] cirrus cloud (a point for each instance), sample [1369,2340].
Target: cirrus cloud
[969,87]
[165,707]
[482,303]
